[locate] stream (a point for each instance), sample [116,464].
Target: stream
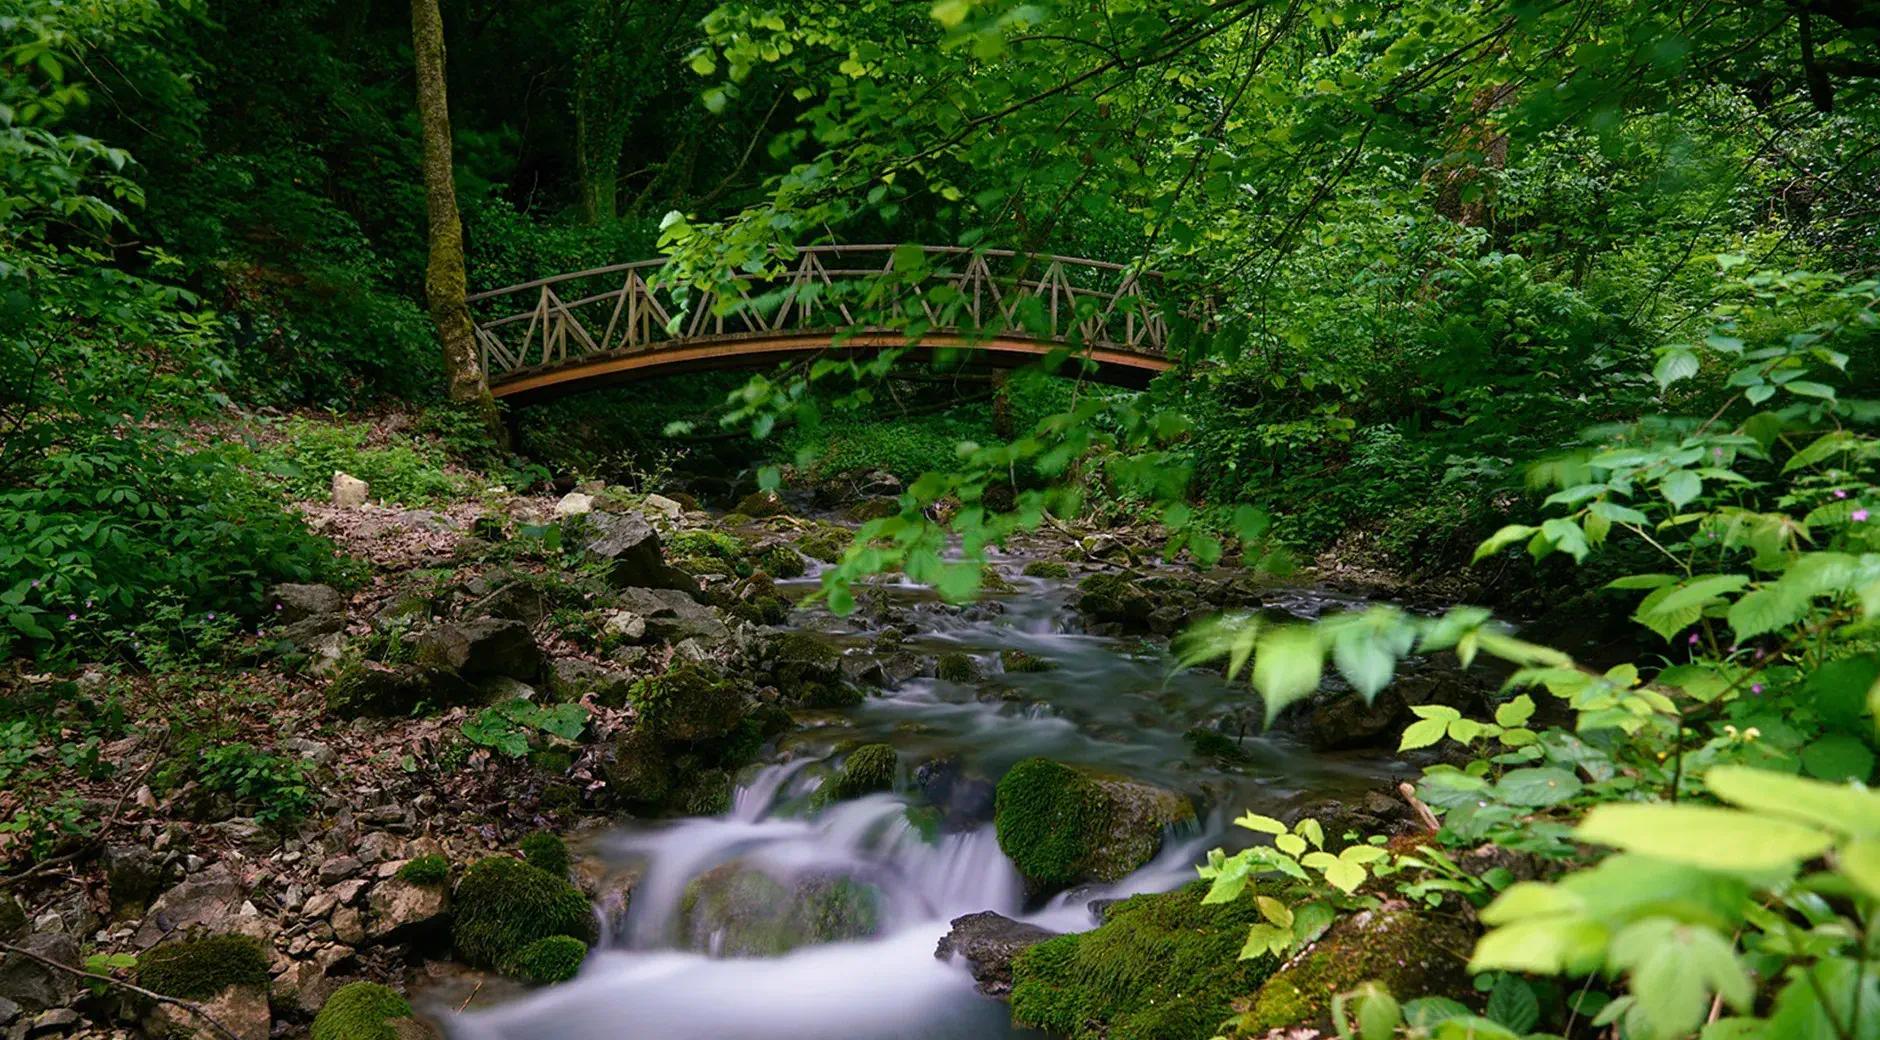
[1111,703]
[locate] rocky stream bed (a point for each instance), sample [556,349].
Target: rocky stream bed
[586,769]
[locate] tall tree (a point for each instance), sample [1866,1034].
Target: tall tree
[624,49]
[444,279]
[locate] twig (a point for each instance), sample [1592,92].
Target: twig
[189,1006]
[111,820]
[1423,812]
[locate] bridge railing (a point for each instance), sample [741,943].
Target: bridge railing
[826,290]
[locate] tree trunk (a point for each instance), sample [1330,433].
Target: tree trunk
[444,282]
[600,132]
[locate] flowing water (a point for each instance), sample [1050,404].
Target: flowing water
[1108,703]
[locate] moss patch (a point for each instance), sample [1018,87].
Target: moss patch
[1047,569]
[546,961]
[781,561]
[545,852]
[503,904]
[1160,967]
[734,910]
[1020,661]
[197,969]
[1406,950]
[869,768]
[1062,826]
[688,704]
[426,870]
[956,667]
[360,1011]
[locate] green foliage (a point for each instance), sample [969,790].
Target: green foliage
[1159,967]
[503,904]
[868,768]
[278,787]
[201,968]
[515,726]
[425,870]
[360,1011]
[402,470]
[545,852]
[543,962]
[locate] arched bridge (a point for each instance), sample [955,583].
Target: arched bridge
[611,324]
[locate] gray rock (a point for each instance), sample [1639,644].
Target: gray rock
[8,1011]
[670,615]
[339,868]
[574,503]
[485,646]
[56,1022]
[33,986]
[243,1010]
[402,911]
[571,678]
[517,601]
[296,602]
[349,490]
[134,875]
[630,548]
[989,943]
[211,898]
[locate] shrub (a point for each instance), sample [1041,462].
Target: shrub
[403,470]
[426,870]
[276,785]
[360,1011]
[546,961]
[545,852]
[197,969]
[503,904]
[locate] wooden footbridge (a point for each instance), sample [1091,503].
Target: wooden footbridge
[591,328]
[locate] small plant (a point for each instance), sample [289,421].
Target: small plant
[425,870]
[510,727]
[276,785]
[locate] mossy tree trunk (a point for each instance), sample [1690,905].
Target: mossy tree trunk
[444,281]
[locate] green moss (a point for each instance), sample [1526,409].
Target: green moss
[1020,661]
[1406,950]
[957,668]
[826,545]
[1047,569]
[545,852]
[1160,967]
[360,1011]
[781,561]
[690,703]
[197,969]
[1212,743]
[547,961]
[1112,597]
[868,768]
[1061,826]
[707,545]
[703,792]
[426,870]
[503,904]
[742,912]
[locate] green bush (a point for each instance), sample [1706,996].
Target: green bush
[403,470]
[360,1011]
[545,852]
[277,786]
[197,969]
[547,961]
[503,904]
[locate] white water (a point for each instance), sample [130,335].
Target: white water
[1105,704]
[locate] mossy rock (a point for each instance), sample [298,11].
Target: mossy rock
[545,852]
[868,769]
[1159,967]
[547,961]
[364,1011]
[990,580]
[781,561]
[688,704]
[1115,599]
[702,792]
[425,870]
[1047,569]
[368,690]
[808,671]
[1409,951]
[1064,826]
[200,968]
[762,504]
[638,769]
[503,904]
[1018,661]
[713,545]
[826,545]
[957,667]
[735,910]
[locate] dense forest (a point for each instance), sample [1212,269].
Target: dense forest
[592,519]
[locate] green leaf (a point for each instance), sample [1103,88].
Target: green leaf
[1724,840]
[1700,591]
[1673,365]
[1838,756]
[1537,787]
[1681,487]
[1422,734]
[1501,540]
[1516,712]
[1363,660]
[1675,967]
[1838,807]
[950,13]
[1766,609]
[1823,447]
[1287,666]
[1512,1003]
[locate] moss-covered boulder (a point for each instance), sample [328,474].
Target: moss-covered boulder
[503,904]
[1408,950]
[1018,661]
[1047,569]
[736,910]
[956,667]
[638,769]
[781,561]
[1159,967]
[365,688]
[689,704]
[545,852]
[196,969]
[808,672]
[1062,825]
[1112,599]
[868,769]
[825,544]
[547,961]
[367,1011]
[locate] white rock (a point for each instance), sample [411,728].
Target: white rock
[349,490]
[630,627]
[662,504]
[574,503]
